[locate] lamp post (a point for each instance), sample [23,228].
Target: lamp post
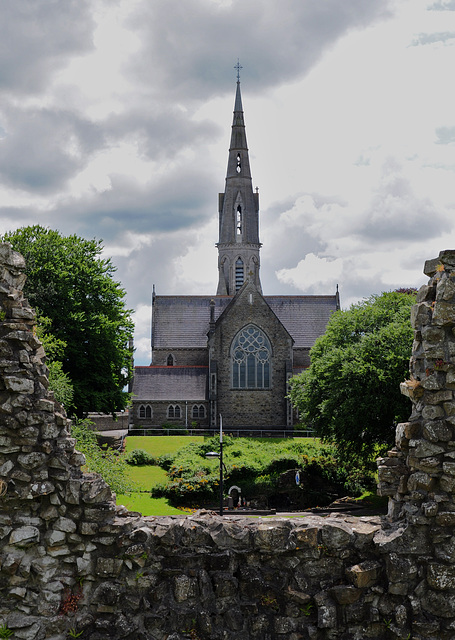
[214,454]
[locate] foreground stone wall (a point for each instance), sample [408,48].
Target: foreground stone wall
[73,564]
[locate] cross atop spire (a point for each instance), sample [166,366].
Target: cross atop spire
[238,66]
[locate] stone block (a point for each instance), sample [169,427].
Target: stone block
[431,267]
[365,574]
[19,385]
[446,518]
[65,524]
[421,315]
[345,594]
[440,604]
[108,567]
[327,612]
[443,313]
[420,480]
[31,460]
[447,259]
[437,430]
[336,535]
[447,483]
[400,568]
[421,448]
[24,536]
[440,576]
[95,489]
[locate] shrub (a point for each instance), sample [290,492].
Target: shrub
[176,429]
[140,457]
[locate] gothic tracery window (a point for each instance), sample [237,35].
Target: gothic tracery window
[251,359]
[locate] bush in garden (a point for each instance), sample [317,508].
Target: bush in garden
[140,457]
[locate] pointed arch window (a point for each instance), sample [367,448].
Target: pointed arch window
[239,273]
[145,411]
[238,223]
[239,163]
[198,411]
[173,411]
[251,355]
[170,360]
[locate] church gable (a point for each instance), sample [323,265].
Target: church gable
[251,359]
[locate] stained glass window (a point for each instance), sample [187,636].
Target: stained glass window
[251,357]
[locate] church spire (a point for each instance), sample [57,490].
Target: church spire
[238,245]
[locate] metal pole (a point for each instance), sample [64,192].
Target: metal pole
[221,465]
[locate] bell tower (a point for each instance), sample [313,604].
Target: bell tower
[238,244]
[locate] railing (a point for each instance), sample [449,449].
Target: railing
[266,432]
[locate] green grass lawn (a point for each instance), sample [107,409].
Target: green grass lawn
[157,445]
[148,475]
[148,506]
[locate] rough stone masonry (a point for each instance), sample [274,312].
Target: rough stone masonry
[73,564]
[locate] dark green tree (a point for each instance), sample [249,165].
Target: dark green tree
[59,381]
[351,392]
[71,284]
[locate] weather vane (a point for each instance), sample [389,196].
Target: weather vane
[238,66]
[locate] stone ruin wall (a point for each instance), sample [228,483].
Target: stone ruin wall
[73,564]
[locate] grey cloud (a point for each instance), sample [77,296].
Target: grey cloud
[396,214]
[432,38]
[43,148]
[445,135]
[37,36]
[190,46]
[182,199]
[163,133]
[443,5]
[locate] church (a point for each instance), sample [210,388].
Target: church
[233,353]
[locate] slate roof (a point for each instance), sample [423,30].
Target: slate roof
[170,383]
[183,321]
[304,317]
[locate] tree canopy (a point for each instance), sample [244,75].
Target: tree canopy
[69,283]
[350,393]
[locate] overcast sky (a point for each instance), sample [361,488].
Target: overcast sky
[115,121]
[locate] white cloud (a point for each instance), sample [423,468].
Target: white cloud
[312,272]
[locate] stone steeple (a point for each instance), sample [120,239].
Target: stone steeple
[238,245]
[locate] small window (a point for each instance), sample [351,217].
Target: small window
[239,163]
[170,360]
[173,411]
[198,411]
[145,411]
[239,220]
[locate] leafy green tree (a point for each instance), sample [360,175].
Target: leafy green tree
[59,381]
[71,284]
[350,394]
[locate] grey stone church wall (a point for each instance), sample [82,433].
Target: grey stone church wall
[74,564]
[266,407]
